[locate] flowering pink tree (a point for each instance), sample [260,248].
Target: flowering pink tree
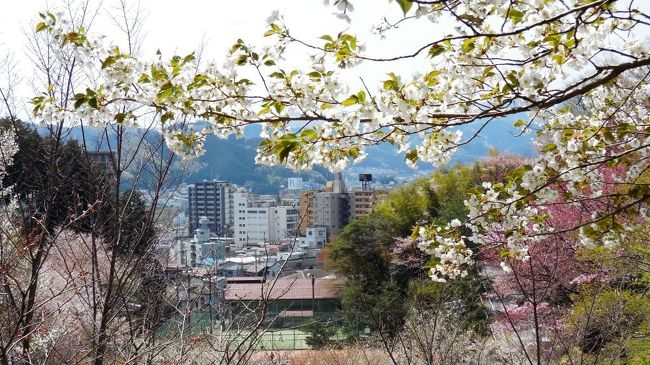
[497,165]
[406,254]
[534,291]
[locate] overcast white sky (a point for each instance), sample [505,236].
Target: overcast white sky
[178,27]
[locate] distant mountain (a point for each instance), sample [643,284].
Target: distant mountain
[230,159]
[499,134]
[234,159]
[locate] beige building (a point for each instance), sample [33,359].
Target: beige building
[363,201]
[306,210]
[333,207]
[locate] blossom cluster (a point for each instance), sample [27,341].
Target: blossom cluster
[8,148]
[452,255]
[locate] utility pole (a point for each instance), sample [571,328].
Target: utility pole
[313,295]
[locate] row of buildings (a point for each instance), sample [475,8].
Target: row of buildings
[334,206]
[251,219]
[222,213]
[232,211]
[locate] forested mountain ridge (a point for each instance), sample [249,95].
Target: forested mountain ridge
[233,159]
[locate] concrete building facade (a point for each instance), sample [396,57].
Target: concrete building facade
[330,210]
[363,201]
[315,237]
[259,219]
[334,207]
[202,249]
[214,200]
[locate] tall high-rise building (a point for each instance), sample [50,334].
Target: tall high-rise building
[214,200]
[330,210]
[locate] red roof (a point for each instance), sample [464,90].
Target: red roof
[285,289]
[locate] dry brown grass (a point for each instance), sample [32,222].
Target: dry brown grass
[351,356]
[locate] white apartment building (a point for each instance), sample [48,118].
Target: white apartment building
[258,219]
[315,237]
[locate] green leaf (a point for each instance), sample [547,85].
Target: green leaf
[516,16]
[350,101]
[314,75]
[354,152]
[609,136]
[275,29]
[289,137]
[553,40]
[93,102]
[558,57]
[144,78]
[309,134]
[190,57]
[512,77]
[412,155]
[284,153]
[79,100]
[165,92]
[166,117]
[110,60]
[503,253]
[241,60]
[361,97]
[353,43]
[436,50]
[390,85]
[119,118]
[264,110]
[432,77]
[40,27]
[279,107]
[549,147]
[327,38]
[471,19]
[468,45]
[520,123]
[405,5]
[286,146]
[393,83]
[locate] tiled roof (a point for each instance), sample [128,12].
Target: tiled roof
[284,289]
